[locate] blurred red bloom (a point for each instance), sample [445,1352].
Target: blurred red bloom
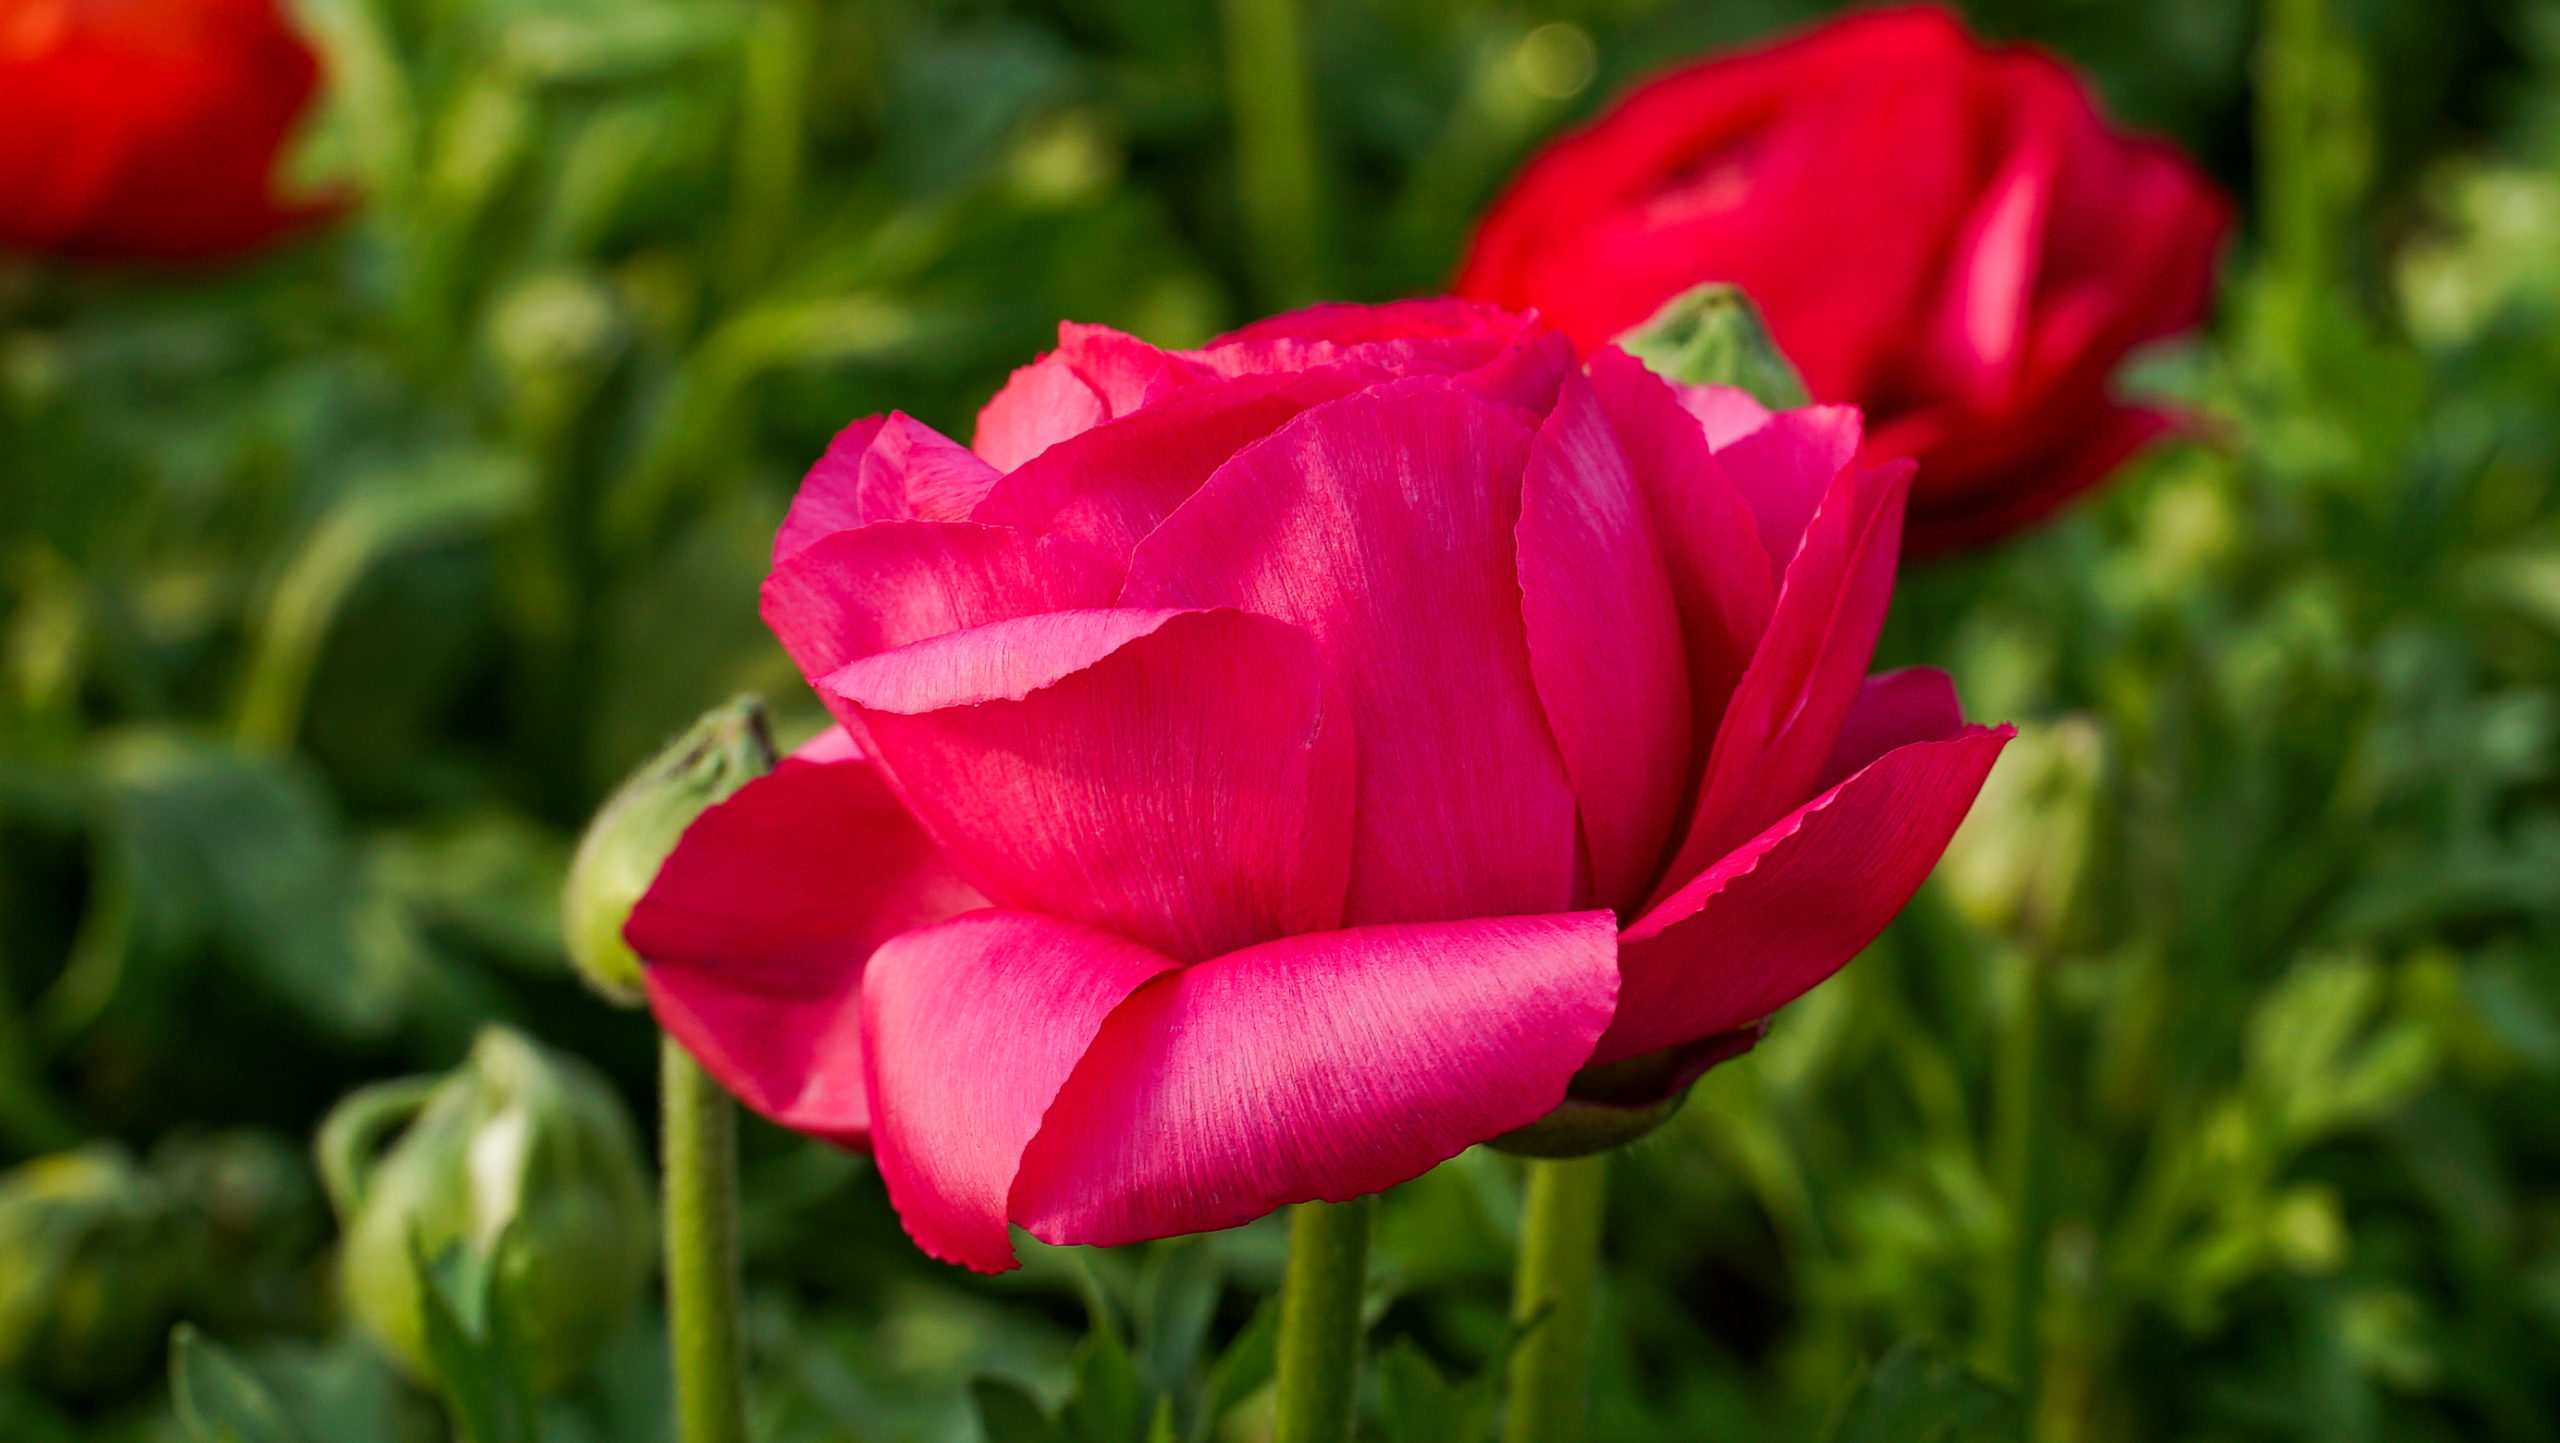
[147,129]
[1944,233]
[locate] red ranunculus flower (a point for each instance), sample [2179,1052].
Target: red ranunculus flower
[1943,233]
[1268,770]
[147,129]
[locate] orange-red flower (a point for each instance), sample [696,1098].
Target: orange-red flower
[147,129]
[1944,233]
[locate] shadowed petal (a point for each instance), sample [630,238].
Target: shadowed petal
[972,1026]
[1383,523]
[1894,708]
[885,585]
[1788,710]
[1323,1066]
[1604,643]
[1785,910]
[1110,486]
[1710,540]
[1785,466]
[1180,778]
[759,924]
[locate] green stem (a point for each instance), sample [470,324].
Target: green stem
[700,1154]
[1275,147]
[1319,1362]
[2018,1150]
[1551,1296]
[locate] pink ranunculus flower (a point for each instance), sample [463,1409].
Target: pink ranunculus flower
[1267,770]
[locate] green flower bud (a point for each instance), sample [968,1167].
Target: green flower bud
[638,825]
[94,1259]
[1713,336]
[522,1156]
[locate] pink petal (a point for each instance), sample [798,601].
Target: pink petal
[1788,710]
[1401,338]
[1383,524]
[973,1025]
[1776,916]
[1720,577]
[1128,373]
[1180,778]
[1325,1066]
[1109,487]
[1784,468]
[1726,413]
[1894,708]
[835,744]
[1095,375]
[1348,323]
[1604,642]
[1044,403]
[758,925]
[890,583]
[1527,372]
[883,468]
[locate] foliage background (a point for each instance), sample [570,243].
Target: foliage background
[2213,1091]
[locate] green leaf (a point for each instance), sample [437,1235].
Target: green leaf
[480,1368]
[1177,1300]
[1109,1404]
[1420,1404]
[436,496]
[1246,1365]
[1917,1396]
[217,1399]
[1009,1415]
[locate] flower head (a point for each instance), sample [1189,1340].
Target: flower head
[1944,233]
[1267,770]
[147,129]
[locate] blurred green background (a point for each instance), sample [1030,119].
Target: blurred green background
[2211,1092]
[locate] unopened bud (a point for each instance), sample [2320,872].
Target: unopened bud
[638,826]
[93,1261]
[523,1158]
[1712,335]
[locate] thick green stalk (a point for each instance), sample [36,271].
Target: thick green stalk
[700,1153]
[1551,1295]
[1275,147]
[1319,1363]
